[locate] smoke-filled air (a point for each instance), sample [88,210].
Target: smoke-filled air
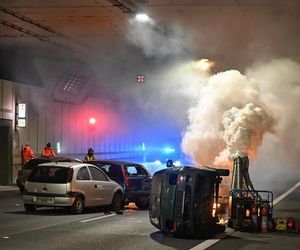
[255,114]
[235,112]
[251,111]
[230,118]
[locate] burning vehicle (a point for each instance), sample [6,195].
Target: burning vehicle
[183,201]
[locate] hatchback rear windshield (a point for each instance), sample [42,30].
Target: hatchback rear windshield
[49,174]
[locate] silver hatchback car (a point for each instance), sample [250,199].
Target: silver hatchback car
[72,185]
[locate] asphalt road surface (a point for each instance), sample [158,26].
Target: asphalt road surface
[97,229]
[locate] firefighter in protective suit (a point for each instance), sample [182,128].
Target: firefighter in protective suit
[48,151]
[27,153]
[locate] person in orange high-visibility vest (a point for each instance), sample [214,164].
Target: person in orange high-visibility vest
[48,151]
[27,153]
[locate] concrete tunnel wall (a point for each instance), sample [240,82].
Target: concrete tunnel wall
[113,135]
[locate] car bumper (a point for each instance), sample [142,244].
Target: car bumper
[51,201]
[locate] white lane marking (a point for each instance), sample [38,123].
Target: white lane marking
[292,189]
[98,218]
[47,226]
[206,244]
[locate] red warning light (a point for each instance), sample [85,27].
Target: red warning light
[140,78]
[92,121]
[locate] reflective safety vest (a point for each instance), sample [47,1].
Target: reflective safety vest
[27,154]
[89,158]
[48,152]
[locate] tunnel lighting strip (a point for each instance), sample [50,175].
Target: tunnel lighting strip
[41,26]
[98,218]
[33,34]
[122,6]
[81,47]
[33,22]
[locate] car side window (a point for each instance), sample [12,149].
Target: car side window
[104,168]
[135,171]
[131,170]
[83,174]
[115,171]
[97,175]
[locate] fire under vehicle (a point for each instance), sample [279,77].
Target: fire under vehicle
[183,200]
[249,209]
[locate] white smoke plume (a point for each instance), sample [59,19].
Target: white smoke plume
[243,131]
[236,112]
[159,40]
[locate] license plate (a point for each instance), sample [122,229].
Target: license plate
[47,200]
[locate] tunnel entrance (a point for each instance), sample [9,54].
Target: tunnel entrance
[6,152]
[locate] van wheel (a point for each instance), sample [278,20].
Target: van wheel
[77,206]
[142,205]
[117,204]
[29,207]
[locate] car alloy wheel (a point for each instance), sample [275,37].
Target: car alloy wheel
[77,206]
[117,204]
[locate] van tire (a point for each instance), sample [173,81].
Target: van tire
[117,204]
[29,207]
[78,205]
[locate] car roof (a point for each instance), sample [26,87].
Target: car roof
[64,164]
[56,158]
[116,162]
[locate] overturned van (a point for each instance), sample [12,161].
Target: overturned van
[184,201]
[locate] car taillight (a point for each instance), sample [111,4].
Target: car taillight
[125,178]
[20,173]
[70,174]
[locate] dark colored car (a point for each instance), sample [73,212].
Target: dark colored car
[184,201]
[26,169]
[133,177]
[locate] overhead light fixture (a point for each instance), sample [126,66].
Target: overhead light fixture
[142,17]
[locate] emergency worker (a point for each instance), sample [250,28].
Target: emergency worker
[27,153]
[90,155]
[48,151]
